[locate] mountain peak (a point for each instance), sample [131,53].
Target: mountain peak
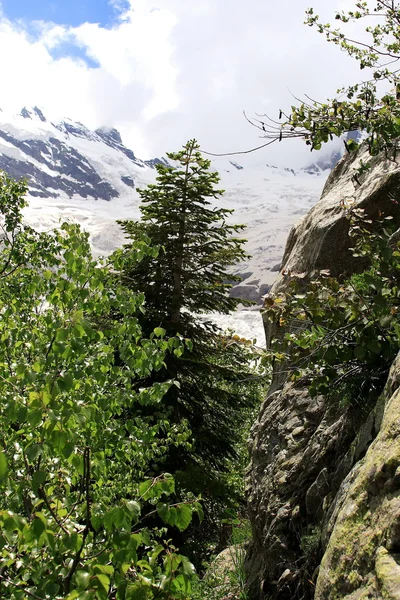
[34,112]
[109,134]
[39,113]
[25,113]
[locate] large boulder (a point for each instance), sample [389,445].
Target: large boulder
[304,450]
[319,240]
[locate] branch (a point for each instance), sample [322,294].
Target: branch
[19,587]
[75,563]
[241,151]
[42,495]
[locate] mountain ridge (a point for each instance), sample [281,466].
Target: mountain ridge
[91,177]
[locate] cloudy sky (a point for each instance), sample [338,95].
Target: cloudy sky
[164,71]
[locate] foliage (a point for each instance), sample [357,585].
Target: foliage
[372,105]
[217,377]
[196,243]
[342,336]
[188,276]
[310,542]
[77,501]
[225,577]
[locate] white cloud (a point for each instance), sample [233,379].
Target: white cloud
[172,69]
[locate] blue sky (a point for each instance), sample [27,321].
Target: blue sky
[70,13]
[63,12]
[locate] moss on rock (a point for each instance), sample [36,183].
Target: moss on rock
[361,554]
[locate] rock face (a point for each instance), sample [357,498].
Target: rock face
[322,479]
[319,240]
[362,557]
[56,168]
[65,159]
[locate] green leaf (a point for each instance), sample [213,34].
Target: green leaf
[145,491]
[360,352]
[33,451]
[137,591]
[374,346]
[34,417]
[68,449]
[82,580]
[38,527]
[167,484]
[103,580]
[352,145]
[187,566]
[134,510]
[66,383]
[167,513]
[159,332]
[38,479]
[3,466]
[37,367]
[197,507]
[61,335]
[183,516]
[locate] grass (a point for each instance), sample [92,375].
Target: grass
[225,576]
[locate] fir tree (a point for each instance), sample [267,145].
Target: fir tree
[196,244]
[190,275]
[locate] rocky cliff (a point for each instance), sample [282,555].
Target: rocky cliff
[324,482]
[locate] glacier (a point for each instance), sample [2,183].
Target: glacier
[91,178]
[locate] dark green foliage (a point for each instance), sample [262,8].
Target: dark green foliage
[188,273]
[196,245]
[187,276]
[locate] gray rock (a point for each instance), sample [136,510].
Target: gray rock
[264,289]
[128,180]
[66,170]
[363,550]
[276,268]
[307,456]
[246,292]
[316,493]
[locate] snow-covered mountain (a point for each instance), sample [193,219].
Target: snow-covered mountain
[91,177]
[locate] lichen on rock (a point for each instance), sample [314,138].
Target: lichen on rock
[364,543]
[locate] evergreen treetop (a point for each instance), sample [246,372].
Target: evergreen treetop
[196,244]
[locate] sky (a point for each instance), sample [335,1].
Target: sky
[165,71]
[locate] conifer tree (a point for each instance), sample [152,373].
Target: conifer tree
[190,275]
[196,244]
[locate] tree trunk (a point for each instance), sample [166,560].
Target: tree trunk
[177,297]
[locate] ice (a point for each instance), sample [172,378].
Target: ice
[266,199]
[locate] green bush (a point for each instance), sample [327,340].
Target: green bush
[342,335]
[76,500]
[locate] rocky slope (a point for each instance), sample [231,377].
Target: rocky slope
[324,483]
[92,177]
